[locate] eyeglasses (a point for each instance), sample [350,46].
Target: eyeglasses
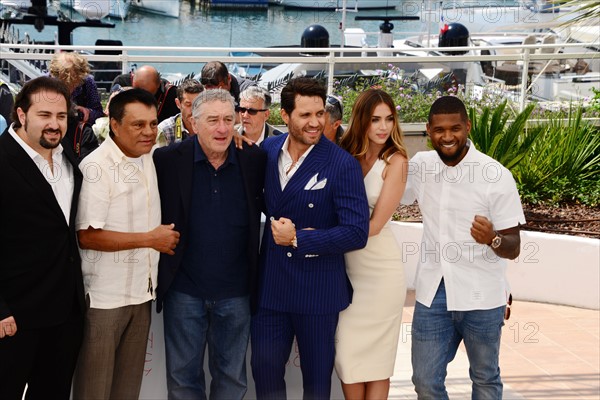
[334,101]
[508,304]
[251,111]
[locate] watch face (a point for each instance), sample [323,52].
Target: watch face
[496,242]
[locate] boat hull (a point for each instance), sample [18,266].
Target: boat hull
[239,4]
[98,9]
[338,4]
[168,8]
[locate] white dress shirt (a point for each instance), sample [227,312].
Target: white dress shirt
[260,139]
[285,163]
[449,199]
[59,176]
[120,195]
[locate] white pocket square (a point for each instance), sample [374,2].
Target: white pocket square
[319,185]
[312,181]
[315,184]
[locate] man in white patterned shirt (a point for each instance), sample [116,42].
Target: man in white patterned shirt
[121,236]
[179,127]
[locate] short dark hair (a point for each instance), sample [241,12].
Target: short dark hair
[189,85]
[24,98]
[116,107]
[213,73]
[448,105]
[304,87]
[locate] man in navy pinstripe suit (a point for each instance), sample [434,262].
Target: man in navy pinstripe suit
[317,208]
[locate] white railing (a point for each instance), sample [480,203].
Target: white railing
[523,54]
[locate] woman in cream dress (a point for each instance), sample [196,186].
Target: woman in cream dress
[368,330]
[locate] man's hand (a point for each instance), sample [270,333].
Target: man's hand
[240,139]
[482,230]
[283,231]
[8,327]
[164,238]
[85,113]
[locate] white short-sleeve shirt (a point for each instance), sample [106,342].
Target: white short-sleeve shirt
[449,198]
[118,194]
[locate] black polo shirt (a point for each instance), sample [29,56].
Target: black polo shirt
[215,264]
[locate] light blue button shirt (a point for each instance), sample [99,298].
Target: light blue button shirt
[2,124]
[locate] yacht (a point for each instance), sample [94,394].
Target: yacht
[98,9]
[339,4]
[168,8]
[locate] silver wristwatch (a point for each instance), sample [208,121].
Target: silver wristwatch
[496,241]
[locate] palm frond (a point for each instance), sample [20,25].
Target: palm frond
[586,12]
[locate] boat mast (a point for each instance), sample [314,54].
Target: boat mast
[343,23]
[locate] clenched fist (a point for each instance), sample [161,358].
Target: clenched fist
[482,230]
[165,238]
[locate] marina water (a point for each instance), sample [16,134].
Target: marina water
[275,26]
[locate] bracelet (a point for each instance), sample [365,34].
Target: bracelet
[294,242]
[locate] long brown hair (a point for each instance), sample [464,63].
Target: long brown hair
[355,140]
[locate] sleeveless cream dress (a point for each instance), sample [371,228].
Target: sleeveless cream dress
[368,330]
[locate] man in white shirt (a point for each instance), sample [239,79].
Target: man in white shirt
[41,290]
[471,216]
[254,113]
[121,237]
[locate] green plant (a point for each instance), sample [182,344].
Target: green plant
[411,96]
[564,159]
[594,106]
[559,190]
[275,115]
[506,143]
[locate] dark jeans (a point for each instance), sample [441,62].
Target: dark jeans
[190,325]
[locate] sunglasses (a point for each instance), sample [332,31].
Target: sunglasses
[508,304]
[334,101]
[251,111]
[209,82]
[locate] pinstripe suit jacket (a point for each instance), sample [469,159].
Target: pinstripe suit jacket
[312,278]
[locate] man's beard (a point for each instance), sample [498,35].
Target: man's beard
[43,142]
[296,133]
[48,145]
[450,158]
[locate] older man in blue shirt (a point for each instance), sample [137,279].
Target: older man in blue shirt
[213,193]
